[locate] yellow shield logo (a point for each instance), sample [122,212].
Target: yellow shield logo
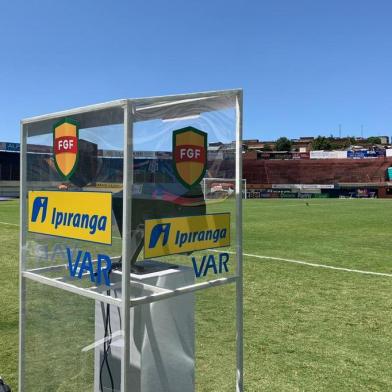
[65,147]
[189,155]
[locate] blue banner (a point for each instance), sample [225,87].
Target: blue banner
[365,154]
[15,147]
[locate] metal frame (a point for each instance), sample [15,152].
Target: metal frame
[133,112]
[22,255]
[126,245]
[239,283]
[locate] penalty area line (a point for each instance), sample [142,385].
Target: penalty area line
[314,264]
[10,224]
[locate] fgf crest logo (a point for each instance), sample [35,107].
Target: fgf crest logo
[66,146]
[189,155]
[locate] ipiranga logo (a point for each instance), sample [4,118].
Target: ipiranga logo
[183,238]
[186,234]
[80,215]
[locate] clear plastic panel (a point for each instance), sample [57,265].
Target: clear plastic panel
[63,348]
[183,150]
[55,339]
[72,340]
[183,237]
[215,329]
[186,343]
[96,171]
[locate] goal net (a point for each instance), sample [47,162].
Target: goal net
[221,188]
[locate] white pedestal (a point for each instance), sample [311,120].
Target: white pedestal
[162,336]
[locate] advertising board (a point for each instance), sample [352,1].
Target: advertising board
[328,154]
[79,215]
[186,234]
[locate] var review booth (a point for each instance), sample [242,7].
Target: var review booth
[131,248]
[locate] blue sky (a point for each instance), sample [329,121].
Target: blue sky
[306,66]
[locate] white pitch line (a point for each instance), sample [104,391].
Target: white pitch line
[116,335]
[314,264]
[11,224]
[286,260]
[299,204]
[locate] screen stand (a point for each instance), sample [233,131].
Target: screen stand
[162,334]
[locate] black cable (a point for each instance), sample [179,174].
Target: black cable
[109,342]
[104,352]
[106,347]
[110,331]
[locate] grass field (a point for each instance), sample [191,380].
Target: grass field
[307,327]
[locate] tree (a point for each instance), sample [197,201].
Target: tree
[283,144]
[321,143]
[373,140]
[267,147]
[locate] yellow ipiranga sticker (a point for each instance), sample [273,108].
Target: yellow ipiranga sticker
[80,215]
[169,236]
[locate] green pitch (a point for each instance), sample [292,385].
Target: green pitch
[307,327]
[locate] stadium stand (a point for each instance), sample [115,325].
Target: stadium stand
[323,171]
[343,176]
[9,174]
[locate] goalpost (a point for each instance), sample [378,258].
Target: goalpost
[221,188]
